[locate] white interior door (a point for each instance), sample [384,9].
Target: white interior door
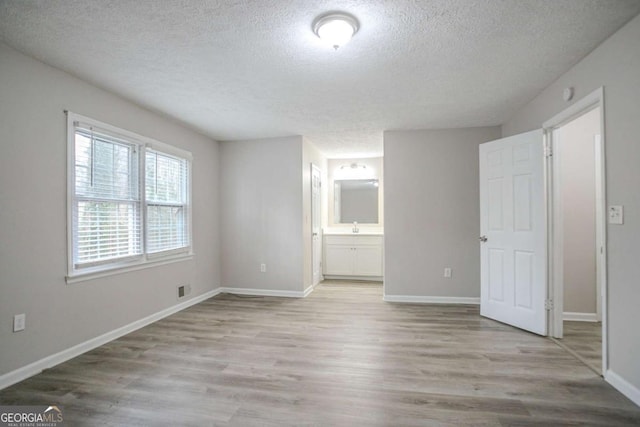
[315,224]
[513,232]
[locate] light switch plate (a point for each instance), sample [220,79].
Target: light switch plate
[615,214]
[19,322]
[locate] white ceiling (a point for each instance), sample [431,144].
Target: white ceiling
[241,69]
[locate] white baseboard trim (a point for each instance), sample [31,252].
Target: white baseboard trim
[38,366]
[623,386]
[355,278]
[266,292]
[308,291]
[579,317]
[431,300]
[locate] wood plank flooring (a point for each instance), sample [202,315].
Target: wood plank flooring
[585,339]
[340,357]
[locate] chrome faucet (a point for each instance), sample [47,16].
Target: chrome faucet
[355,227]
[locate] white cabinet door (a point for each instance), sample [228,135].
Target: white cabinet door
[338,260]
[349,255]
[368,261]
[513,249]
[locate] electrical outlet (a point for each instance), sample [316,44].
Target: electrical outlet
[19,322]
[447,272]
[263,268]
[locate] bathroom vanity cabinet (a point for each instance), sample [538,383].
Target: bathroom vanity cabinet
[353,256]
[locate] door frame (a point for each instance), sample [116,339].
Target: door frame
[316,255]
[554,224]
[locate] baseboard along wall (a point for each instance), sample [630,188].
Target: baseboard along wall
[431,300]
[38,366]
[623,386]
[579,317]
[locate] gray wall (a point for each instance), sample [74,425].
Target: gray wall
[33,241]
[261,213]
[577,157]
[615,64]
[432,217]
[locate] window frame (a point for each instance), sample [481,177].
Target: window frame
[102,268]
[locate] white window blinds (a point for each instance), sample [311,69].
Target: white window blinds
[106,206]
[166,188]
[129,198]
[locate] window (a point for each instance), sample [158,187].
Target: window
[166,199]
[129,198]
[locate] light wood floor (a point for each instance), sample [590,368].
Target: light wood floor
[585,338]
[340,357]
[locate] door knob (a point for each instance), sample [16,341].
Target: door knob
[483,239]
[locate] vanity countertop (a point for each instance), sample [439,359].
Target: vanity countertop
[350,233]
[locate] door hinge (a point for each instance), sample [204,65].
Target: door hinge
[548,151]
[548,304]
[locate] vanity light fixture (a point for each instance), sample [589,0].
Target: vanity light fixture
[354,166]
[335,28]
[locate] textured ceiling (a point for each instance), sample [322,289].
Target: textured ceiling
[241,69]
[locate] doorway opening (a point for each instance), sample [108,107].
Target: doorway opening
[577,273]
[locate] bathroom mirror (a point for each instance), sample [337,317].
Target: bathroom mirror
[355,200]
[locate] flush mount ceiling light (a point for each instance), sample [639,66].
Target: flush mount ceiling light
[335,28]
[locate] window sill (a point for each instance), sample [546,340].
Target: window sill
[91,275]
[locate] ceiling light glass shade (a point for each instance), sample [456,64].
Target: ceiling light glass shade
[335,29]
